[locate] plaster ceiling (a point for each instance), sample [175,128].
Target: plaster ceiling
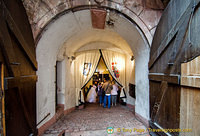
[100,45]
[96,39]
[81,36]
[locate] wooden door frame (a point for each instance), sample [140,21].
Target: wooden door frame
[3,122]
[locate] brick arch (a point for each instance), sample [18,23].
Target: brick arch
[40,13]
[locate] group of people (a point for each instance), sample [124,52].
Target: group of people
[107,93]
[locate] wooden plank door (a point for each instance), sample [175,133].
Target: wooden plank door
[17,53]
[2,102]
[175,41]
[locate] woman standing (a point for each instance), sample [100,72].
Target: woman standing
[114,93]
[91,97]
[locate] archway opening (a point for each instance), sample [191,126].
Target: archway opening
[114,69]
[73,32]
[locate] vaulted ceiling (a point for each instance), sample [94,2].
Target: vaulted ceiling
[40,12]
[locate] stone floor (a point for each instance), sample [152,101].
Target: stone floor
[94,120]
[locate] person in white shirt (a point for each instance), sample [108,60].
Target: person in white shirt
[114,93]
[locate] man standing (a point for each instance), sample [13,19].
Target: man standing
[107,87]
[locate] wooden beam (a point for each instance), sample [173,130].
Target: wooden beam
[171,34]
[173,79]
[6,46]
[15,81]
[22,41]
[3,100]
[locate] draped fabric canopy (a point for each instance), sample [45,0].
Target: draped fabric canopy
[86,63]
[115,63]
[85,66]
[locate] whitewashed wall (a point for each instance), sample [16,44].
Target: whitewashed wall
[130,78]
[70,95]
[61,82]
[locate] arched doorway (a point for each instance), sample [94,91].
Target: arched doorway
[69,35]
[110,64]
[190,7]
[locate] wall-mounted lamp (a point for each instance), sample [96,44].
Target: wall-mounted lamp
[71,58]
[109,21]
[132,58]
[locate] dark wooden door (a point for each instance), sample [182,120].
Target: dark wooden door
[17,53]
[176,40]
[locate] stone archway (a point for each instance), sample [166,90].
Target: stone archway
[62,34]
[146,13]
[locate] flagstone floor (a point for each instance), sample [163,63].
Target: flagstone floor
[94,120]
